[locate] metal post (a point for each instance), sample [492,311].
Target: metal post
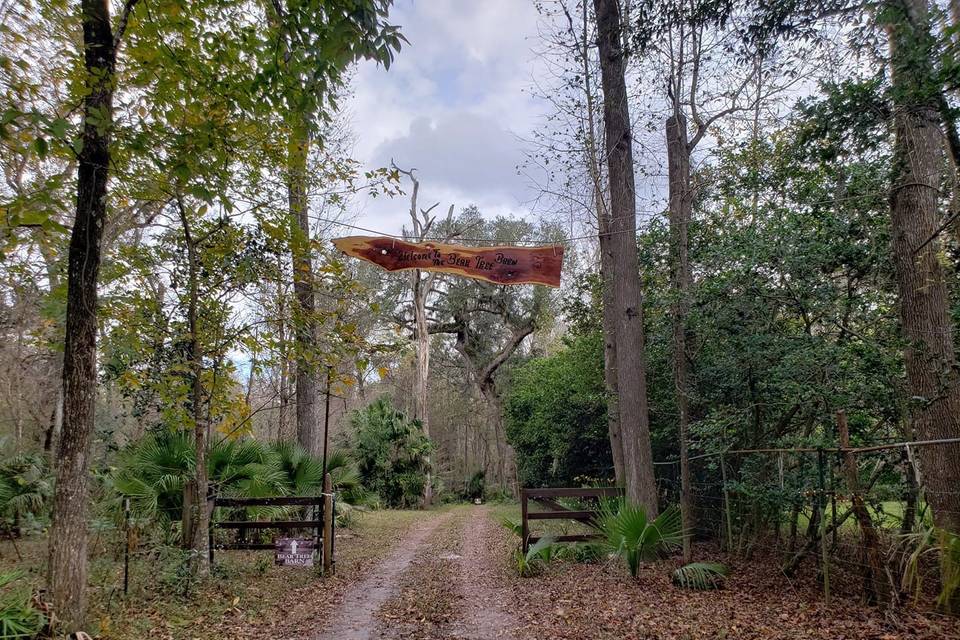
[333,535]
[326,422]
[126,549]
[833,507]
[822,504]
[327,525]
[211,508]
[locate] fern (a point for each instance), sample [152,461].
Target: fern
[700,575]
[18,617]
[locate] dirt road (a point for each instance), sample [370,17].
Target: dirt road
[443,580]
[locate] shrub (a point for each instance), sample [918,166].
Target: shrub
[555,412]
[392,453]
[538,555]
[153,472]
[630,534]
[476,486]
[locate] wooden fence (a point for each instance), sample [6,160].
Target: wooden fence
[553,510]
[321,520]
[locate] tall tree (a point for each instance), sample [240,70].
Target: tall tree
[572,141]
[68,534]
[631,365]
[306,79]
[918,163]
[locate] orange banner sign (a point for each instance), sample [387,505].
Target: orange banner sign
[500,265]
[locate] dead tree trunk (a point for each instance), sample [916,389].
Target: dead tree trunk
[631,364]
[874,576]
[67,566]
[930,357]
[422,286]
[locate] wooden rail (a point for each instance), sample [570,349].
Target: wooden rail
[318,521]
[556,511]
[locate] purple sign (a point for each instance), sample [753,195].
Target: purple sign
[294,552]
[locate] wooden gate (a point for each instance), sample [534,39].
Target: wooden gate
[319,521]
[553,510]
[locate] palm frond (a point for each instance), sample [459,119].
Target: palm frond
[700,575]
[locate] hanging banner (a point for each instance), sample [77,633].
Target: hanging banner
[499,265]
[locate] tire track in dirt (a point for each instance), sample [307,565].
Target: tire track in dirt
[355,616]
[486,599]
[455,588]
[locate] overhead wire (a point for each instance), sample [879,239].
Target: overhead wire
[597,235]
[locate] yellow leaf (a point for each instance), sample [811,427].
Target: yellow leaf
[383,371]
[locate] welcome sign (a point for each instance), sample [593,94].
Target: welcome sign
[499,265]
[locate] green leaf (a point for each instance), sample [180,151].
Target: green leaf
[59,128]
[41,147]
[700,575]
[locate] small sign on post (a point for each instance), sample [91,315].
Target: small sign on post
[294,552]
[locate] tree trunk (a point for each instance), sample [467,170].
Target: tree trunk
[284,365]
[929,355]
[421,390]
[681,213]
[67,566]
[305,328]
[607,277]
[631,366]
[195,513]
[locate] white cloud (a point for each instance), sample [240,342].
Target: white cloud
[453,105]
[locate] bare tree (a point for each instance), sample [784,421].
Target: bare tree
[422,285]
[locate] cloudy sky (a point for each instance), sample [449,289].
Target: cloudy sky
[455,105]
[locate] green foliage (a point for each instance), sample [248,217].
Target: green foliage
[929,542]
[25,486]
[154,471]
[513,526]
[556,416]
[476,486]
[634,537]
[949,571]
[19,618]
[538,555]
[392,453]
[700,575]
[588,552]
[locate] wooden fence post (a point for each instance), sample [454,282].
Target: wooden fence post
[874,576]
[726,505]
[328,516]
[524,526]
